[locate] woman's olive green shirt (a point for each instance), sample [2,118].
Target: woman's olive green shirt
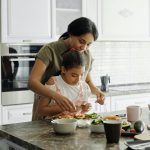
[51,54]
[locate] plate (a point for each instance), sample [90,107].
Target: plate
[126,126]
[128,134]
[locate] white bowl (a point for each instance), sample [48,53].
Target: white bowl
[64,126]
[99,128]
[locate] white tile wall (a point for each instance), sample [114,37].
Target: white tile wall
[124,62]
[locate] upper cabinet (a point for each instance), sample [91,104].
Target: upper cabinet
[65,11]
[26,21]
[124,19]
[37,20]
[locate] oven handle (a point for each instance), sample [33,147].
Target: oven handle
[22,59]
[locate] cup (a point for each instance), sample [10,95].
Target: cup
[134,113]
[112,130]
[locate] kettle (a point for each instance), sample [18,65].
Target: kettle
[105,80]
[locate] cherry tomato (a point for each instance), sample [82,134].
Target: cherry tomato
[132,131]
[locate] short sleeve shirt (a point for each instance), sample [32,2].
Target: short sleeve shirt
[51,54]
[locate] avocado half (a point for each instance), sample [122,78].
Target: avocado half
[139,126]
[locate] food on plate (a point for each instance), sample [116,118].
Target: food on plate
[92,116]
[71,115]
[125,125]
[112,117]
[97,126]
[97,121]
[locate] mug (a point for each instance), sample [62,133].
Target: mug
[134,113]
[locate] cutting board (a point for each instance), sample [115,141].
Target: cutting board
[143,136]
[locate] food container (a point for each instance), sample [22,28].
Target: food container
[64,126]
[97,128]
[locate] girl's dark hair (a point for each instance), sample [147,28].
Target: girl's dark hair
[72,59]
[81,26]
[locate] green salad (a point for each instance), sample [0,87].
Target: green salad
[97,121]
[92,116]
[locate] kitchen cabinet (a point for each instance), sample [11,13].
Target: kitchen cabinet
[16,113]
[37,21]
[123,20]
[121,102]
[65,11]
[25,21]
[0,115]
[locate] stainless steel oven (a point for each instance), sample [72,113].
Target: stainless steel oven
[16,64]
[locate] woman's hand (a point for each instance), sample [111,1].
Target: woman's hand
[64,103]
[100,95]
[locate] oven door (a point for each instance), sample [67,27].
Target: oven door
[15,73]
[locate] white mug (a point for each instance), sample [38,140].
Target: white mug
[134,113]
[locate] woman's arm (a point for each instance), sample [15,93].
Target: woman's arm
[100,95]
[35,85]
[44,109]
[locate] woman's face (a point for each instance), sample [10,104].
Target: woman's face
[72,76]
[82,42]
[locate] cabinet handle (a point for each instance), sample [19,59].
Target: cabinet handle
[27,113]
[26,40]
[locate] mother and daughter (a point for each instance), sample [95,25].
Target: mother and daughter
[65,91]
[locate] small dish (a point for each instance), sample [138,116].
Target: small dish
[126,125]
[64,126]
[99,128]
[128,134]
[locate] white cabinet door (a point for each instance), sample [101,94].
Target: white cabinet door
[65,11]
[124,19]
[0,115]
[121,102]
[26,20]
[16,113]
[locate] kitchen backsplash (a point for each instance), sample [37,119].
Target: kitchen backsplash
[124,62]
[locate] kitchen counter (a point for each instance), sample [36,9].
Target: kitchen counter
[128,89]
[40,135]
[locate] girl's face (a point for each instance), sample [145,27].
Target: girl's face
[72,76]
[82,42]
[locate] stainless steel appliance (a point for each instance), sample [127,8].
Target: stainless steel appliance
[16,64]
[105,80]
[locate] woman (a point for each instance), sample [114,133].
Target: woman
[81,33]
[68,84]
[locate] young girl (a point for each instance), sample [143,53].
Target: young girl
[68,84]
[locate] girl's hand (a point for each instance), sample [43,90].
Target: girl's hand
[100,95]
[85,107]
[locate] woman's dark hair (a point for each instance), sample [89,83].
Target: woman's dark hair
[81,26]
[72,59]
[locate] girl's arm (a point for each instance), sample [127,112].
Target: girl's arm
[100,95]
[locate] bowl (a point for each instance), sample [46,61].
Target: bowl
[99,128]
[126,125]
[64,126]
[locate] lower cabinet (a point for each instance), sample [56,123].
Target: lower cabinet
[0,115]
[16,113]
[121,102]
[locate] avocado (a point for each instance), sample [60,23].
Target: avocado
[139,126]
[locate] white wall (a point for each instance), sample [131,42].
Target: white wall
[125,62]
